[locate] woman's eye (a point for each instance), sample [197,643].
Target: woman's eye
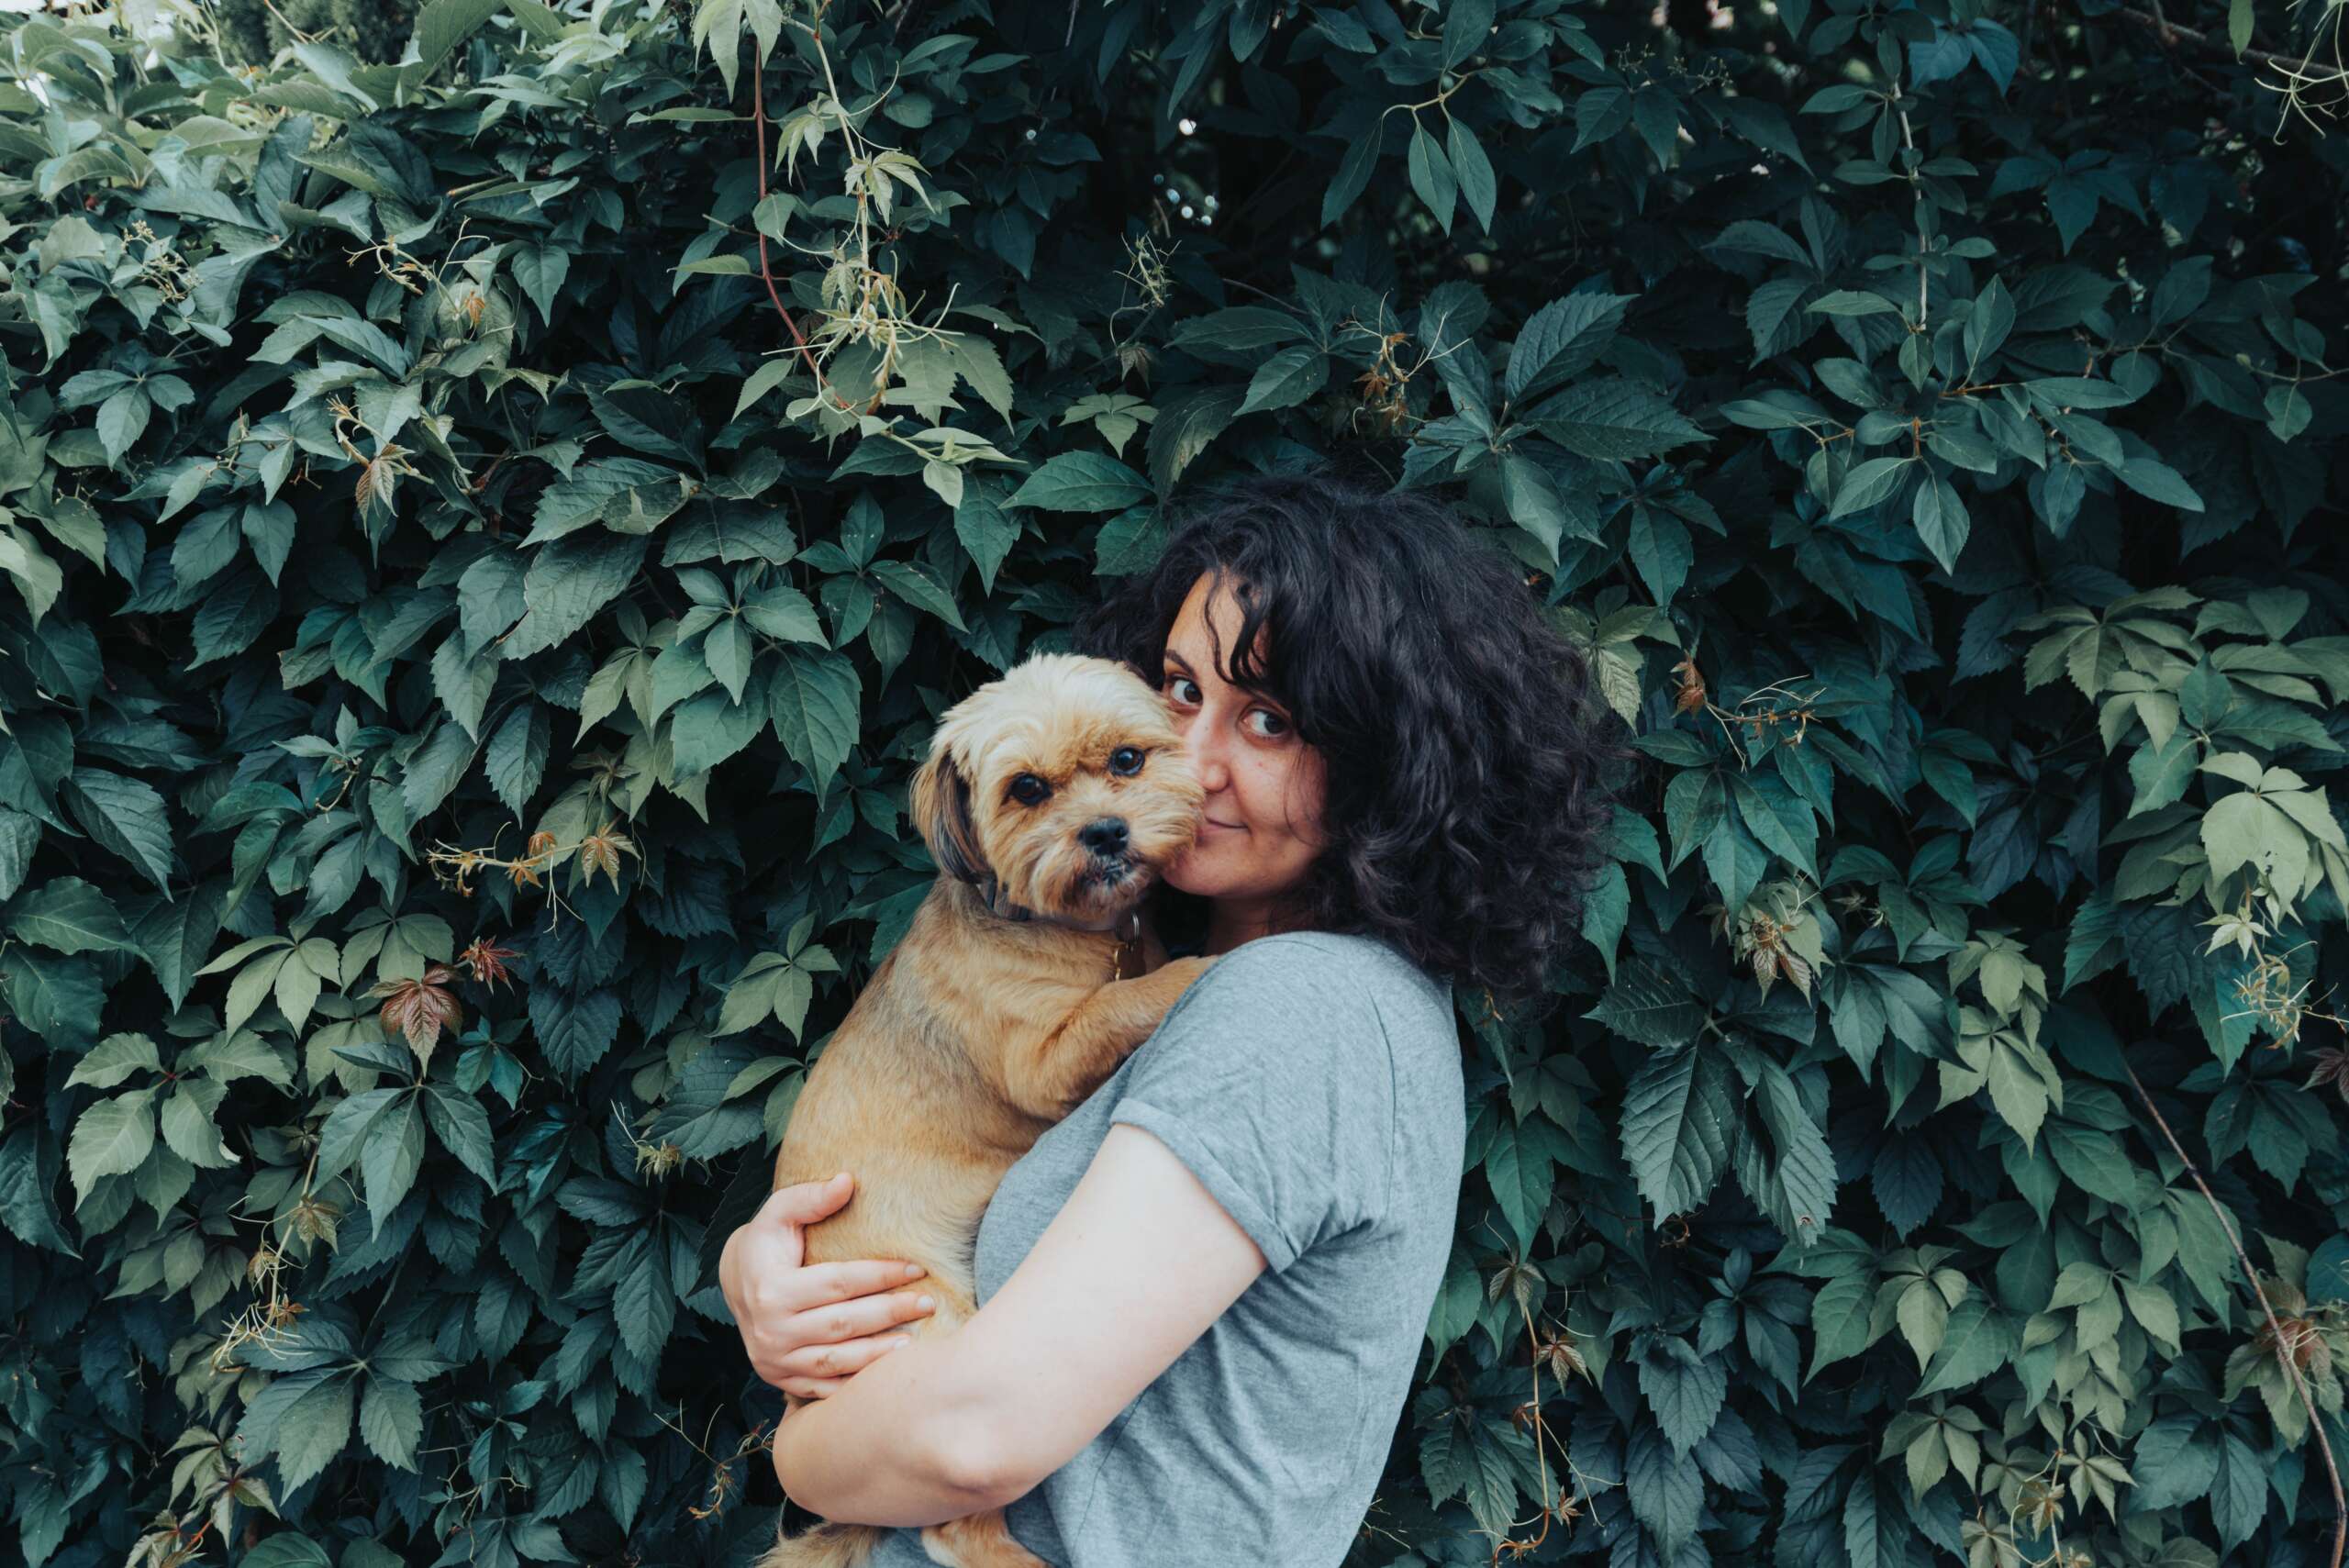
[1177,687]
[1030,790]
[1126,760]
[1274,725]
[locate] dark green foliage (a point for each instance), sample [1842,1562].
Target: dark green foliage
[462,671]
[251,31]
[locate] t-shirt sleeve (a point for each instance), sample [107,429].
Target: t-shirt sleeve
[1272,1081]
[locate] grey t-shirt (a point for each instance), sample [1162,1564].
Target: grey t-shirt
[1312,1083]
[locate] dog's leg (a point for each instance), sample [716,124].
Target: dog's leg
[981,1540]
[827,1545]
[1047,1075]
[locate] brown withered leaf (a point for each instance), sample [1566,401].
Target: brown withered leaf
[1691,695]
[485,960]
[602,852]
[420,1009]
[2330,1065]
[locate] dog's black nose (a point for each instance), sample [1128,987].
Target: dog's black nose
[1104,835]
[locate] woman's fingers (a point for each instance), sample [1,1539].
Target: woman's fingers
[820,1284]
[812,1387]
[836,1322]
[805,1203]
[831,1365]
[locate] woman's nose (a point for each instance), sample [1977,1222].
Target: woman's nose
[1207,759]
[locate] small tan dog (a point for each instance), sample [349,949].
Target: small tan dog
[1050,799]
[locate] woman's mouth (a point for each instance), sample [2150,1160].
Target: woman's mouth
[1206,823]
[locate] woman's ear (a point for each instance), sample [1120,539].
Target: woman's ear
[941,810]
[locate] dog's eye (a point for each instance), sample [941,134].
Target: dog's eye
[1030,790]
[1126,760]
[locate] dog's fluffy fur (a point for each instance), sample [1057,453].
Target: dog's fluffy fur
[997,1013]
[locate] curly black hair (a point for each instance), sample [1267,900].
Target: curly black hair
[1464,748]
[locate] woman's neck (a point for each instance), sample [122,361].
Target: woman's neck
[1231,921]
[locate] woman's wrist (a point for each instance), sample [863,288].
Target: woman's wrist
[881,1449]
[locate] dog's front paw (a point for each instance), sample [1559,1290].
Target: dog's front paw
[1179,973]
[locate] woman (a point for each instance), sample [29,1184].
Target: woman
[1203,1293]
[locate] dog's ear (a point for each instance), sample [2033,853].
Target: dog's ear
[941,810]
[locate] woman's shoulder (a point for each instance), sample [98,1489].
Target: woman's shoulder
[1344,972]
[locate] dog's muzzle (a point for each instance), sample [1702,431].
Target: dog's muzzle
[1109,845]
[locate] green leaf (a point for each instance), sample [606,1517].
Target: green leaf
[1942,521]
[814,701]
[708,728]
[239,1053]
[1478,187]
[347,1126]
[976,362]
[1287,379]
[122,419]
[1868,484]
[1238,335]
[2159,482]
[1518,1168]
[1661,551]
[645,1306]
[188,1127]
[1432,180]
[1613,420]
[56,998]
[1082,482]
[1678,1113]
[391,1420]
[2094,1160]
[463,1127]
[1684,1390]
[114,1058]
[1840,1316]
[1976,1341]
[567,583]
[111,1139]
[1353,173]
[2175,1461]
[123,815]
[1991,317]
[540,270]
[1850,302]
[1803,1169]
[311,1433]
[27,1179]
[516,758]
[985,529]
[1130,542]
[391,1158]
[1561,340]
[68,915]
[650,420]
[2246,830]
[442,25]
[917,585]
[1650,1006]
[2155,1311]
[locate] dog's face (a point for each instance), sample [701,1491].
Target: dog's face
[1066,781]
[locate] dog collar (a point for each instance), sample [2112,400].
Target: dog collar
[1128,927]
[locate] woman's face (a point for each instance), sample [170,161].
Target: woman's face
[1260,825]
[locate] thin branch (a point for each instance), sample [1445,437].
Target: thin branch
[2284,1347]
[759,130]
[2170,33]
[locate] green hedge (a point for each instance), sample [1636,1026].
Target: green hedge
[462,667]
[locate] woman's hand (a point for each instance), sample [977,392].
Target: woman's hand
[809,1327]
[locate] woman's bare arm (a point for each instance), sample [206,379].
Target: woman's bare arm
[1136,1266]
